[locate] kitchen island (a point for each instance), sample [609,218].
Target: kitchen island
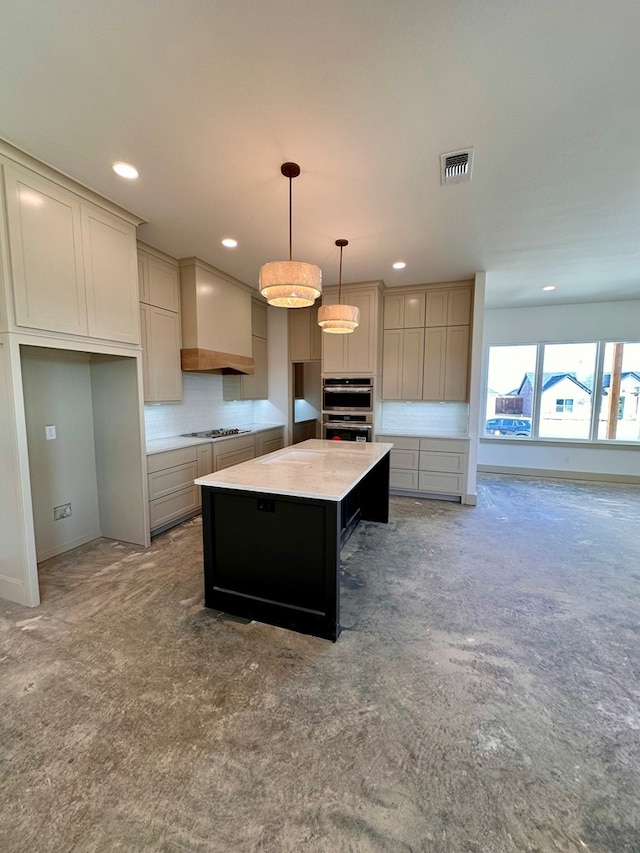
[273,528]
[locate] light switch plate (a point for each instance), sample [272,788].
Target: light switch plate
[50,432]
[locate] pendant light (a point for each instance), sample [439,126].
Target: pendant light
[290,284]
[339,319]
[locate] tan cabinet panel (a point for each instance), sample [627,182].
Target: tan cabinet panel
[169,480]
[459,307]
[456,382]
[174,507]
[401,458]
[437,306]
[269,440]
[232,451]
[392,364]
[259,319]
[393,315]
[441,483]
[170,459]
[161,354]
[111,273]
[45,239]
[164,284]
[435,346]
[357,352]
[403,479]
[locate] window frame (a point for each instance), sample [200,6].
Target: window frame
[596,403]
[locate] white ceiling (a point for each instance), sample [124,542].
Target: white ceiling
[208,97]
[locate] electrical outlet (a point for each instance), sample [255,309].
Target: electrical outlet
[62,511]
[50,432]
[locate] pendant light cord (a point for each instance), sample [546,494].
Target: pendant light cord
[290,218]
[340,277]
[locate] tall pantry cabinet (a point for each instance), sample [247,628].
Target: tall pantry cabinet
[68,284]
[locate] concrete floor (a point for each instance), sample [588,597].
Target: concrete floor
[484,696]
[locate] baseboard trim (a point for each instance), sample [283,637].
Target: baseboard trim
[551,474]
[63,547]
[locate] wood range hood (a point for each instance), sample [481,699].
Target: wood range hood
[216,320]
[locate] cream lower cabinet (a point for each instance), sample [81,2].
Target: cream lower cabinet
[269,440]
[429,466]
[173,496]
[73,264]
[232,451]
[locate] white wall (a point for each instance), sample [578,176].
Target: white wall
[616,321]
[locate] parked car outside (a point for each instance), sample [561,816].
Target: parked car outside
[508,426]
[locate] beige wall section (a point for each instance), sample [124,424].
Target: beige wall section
[122,496]
[57,392]
[18,576]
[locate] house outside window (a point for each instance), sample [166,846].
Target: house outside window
[569,391]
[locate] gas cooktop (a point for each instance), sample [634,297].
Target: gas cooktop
[214,433]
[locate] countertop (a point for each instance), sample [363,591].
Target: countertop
[325,470]
[175,442]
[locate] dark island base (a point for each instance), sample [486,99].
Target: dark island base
[276,558]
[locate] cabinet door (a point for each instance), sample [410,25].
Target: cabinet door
[361,344]
[413,310]
[255,386]
[145,334]
[459,307]
[393,315]
[437,306]
[412,364]
[111,276]
[435,346]
[164,284]
[163,356]
[259,319]
[392,364]
[304,334]
[45,240]
[456,379]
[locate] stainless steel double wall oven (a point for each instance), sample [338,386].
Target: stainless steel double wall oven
[347,408]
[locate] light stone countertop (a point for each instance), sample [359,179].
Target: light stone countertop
[325,470]
[175,442]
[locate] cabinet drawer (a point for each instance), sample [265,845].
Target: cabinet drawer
[430,481]
[171,479]
[271,444]
[403,479]
[444,445]
[400,442]
[170,507]
[404,459]
[170,458]
[234,457]
[450,462]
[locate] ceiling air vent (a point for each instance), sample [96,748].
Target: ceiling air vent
[456,167]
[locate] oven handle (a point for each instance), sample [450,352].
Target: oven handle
[338,425]
[347,389]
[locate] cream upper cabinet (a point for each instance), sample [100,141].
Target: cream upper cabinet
[304,334]
[357,352]
[430,362]
[45,239]
[159,280]
[448,307]
[402,364]
[73,263]
[252,386]
[159,285]
[160,332]
[404,310]
[111,271]
[446,364]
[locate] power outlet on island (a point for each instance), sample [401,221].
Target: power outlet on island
[62,511]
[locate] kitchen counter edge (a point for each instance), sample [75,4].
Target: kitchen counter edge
[175,442]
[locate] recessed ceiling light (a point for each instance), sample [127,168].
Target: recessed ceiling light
[399,265]
[229,242]
[125,170]
[549,287]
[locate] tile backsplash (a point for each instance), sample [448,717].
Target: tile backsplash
[423,419]
[201,407]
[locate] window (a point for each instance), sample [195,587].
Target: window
[575,391]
